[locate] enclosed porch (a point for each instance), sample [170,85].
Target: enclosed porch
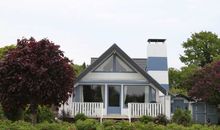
[118,100]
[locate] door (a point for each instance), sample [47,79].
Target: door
[114,95]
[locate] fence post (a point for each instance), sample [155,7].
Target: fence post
[167,106]
[101,117]
[129,112]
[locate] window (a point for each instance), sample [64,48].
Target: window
[152,95]
[134,94]
[93,93]
[114,64]
[121,66]
[106,66]
[114,95]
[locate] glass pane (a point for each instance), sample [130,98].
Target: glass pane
[121,66]
[93,93]
[106,66]
[134,94]
[114,95]
[152,95]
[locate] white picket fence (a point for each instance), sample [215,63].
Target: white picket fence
[90,109]
[95,109]
[136,110]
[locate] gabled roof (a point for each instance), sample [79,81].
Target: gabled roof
[183,96]
[115,48]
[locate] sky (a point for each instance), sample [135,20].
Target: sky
[87,28]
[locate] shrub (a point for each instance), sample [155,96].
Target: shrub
[150,126]
[49,126]
[17,125]
[2,113]
[88,124]
[139,125]
[68,126]
[146,119]
[5,124]
[80,116]
[14,114]
[45,114]
[182,117]
[161,119]
[21,125]
[124,125]
[55,126]
[108,123]
[174,126]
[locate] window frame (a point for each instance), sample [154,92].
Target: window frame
[92,85]
[151,95]
[144,86]
[114,65]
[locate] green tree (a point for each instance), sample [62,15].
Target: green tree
[174,77]
[4,50]
[79,68]
[201,48]
[177,79]
[187,72]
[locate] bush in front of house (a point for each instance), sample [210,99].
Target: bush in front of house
[21,125]
[117,125]
[124,125]
[161,119]
[174,126]
[17,125]
[91,124]
[146,119]
[152,126]
[108,124]
[14,114]
[2,116]
[139,125]
[88,124]
[44,113]
[80,116]
[55,126]
[4,124]
[182,117]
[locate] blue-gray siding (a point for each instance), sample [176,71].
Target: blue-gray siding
[157,63]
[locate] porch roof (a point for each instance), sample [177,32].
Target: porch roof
[115,48]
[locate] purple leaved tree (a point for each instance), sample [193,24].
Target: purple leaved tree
[205,84]
[35,73]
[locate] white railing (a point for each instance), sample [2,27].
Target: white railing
[136,110]
[90,109]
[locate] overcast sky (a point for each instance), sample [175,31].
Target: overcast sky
[86,28]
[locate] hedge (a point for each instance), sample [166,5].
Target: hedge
[91,124]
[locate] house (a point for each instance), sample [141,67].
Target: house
[120,86]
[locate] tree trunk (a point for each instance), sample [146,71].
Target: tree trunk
[33,109]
